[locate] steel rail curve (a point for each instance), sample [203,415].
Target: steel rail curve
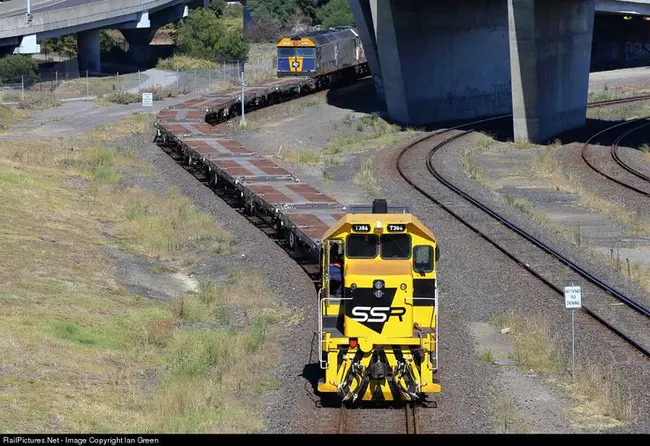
[623,164]
[610,290]
[613,152]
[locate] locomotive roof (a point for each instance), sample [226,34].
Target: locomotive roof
[385,219]
[328,35]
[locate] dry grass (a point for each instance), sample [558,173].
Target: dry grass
[184,63]
[82,354]
[366,178]
[38,100]
[604,398]
[9,115]
[535,346]
[646,152]
[546,166]
[95,86]
[369,132]
[508,419]
[600,396]
[527,207]
[621,112]
[216,375]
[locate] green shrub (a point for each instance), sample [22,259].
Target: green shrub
[185,63]
[14,66]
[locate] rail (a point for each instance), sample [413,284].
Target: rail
[590,277]
[613,149]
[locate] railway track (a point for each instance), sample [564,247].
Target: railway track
[614,153]
[402,420]
[607,309]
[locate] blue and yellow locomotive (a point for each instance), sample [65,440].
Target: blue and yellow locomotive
[378,307]
[323,53]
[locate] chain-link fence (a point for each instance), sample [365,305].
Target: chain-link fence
[67,85]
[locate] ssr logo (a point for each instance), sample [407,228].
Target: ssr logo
[376,314]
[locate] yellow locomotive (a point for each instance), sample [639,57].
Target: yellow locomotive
[378,306]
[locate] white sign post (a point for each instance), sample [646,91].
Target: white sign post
[573,300]
[147,101]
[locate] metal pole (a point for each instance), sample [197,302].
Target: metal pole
[87,86]
[22,86]
[139,87]
[243,99]
[573,343]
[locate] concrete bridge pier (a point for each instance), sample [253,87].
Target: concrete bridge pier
[439,61]
[139,40]
[550,50]
[365,16]
[88,51]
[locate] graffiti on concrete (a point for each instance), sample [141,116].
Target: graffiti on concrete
[637,52]
[475,100]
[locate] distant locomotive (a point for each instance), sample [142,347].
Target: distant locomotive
[336,52]
[378,306]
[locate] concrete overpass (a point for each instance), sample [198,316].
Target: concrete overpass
[441,60]
[138,20]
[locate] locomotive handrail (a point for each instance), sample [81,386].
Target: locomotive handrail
[323,364]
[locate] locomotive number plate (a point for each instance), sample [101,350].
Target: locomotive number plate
[396,228]
[361,228]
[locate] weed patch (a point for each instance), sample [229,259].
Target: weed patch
[600,395]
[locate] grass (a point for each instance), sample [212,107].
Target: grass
[619,112]
[182,63]
[95,86]
[546,166]
[369,132]
[646,152]
[600,394]
[482,142]
[365,177]
[81,353]
[508,419]
[125,97]
[526,206]
[9,115]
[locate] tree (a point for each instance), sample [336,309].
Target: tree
[14,66]
[264,29]
[64,45]
[204,36]
[335,13]
[282,10]
[308,8]
[219,7]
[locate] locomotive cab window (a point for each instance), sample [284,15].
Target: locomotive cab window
[395,246]
[362,246]
[423,259]
[290,52]
[306,52]
[286,52]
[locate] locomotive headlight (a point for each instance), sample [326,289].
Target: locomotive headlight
[378,294]
[353,286]
[378,284]
[402,287]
